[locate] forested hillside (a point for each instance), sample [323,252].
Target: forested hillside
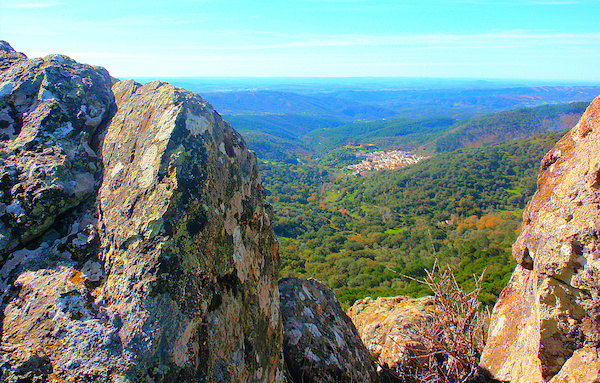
[505,126]
[286,137]
[360,235]
[357,234]
[444,134]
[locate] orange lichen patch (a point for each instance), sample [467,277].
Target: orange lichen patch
[508,332]
[56,379]
[584,366]
[555,165]
[52,346]
[76,278]
[274,250]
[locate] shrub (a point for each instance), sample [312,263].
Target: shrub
[447,347]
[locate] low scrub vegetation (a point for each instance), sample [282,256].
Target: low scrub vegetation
[447,347]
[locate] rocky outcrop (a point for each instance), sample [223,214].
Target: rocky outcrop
[136,242]
[50,111]
[8,56]
[387,326]
[321,343]
[546,323]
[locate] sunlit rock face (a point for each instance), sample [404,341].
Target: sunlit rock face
[136,242]
[546,324]
[388,325]
[321,343]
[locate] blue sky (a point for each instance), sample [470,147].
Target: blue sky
[503,39]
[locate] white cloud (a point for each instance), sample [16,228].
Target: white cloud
[499,40]
[141,21]
[35,5]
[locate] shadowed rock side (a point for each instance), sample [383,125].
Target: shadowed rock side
[546,324]
[387,325]
[320,342]
[136,241]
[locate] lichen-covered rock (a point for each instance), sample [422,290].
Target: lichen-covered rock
[187,240]
[320,342]
[137,242]
[50,110]
[8,56]
[388,325]
[546,323]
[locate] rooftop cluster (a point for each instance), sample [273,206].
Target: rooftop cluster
[381,160]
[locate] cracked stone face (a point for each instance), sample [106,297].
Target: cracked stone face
[386,325]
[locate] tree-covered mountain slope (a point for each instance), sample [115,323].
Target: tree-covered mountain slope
[462,207]
[506,126]
[285,137]
[443,134]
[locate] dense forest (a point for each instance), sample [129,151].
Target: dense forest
[363,236]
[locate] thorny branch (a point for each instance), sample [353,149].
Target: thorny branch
[447,346]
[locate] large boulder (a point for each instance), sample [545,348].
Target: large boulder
[135,236]
[546,324]
[50,112]
[321,343]
[389,326]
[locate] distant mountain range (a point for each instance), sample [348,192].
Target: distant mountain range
[356,99]
[356,105]
[275,102]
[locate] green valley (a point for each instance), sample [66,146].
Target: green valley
[359,234]
[369,235]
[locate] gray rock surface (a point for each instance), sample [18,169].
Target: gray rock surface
[321,343]
[50,111]
[135,237]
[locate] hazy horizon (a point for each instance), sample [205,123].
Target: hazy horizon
[330,84]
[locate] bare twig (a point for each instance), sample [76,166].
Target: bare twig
[446,348]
